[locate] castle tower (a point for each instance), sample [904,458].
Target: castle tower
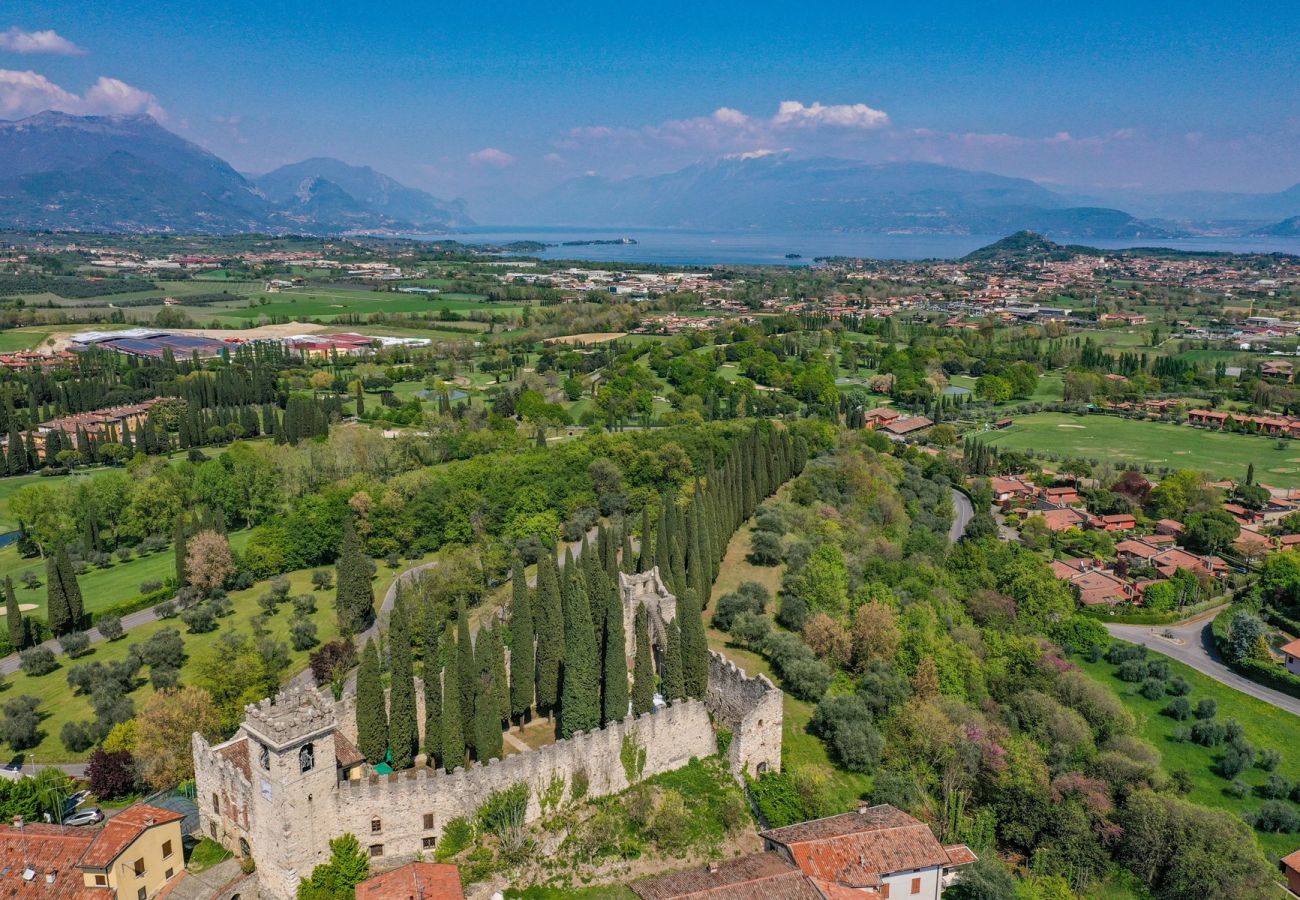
[291,754]
[647,588]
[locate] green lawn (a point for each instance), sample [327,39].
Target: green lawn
[21,339]
[1220,455]
[8,487]
[1265,726]
[58,704]
[99,587]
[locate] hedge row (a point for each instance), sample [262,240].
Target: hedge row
[135,604]
[1147,617]
[1267,674]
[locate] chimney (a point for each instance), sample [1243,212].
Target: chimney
[862,809]
[712,868]
[49,876]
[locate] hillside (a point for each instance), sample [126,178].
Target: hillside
[780,192]
[129,174]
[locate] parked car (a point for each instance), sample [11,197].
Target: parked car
[90,816]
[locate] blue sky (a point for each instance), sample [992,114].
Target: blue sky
[494,100]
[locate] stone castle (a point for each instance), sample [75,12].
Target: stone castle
[291,778]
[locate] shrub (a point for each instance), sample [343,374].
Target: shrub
[769,520]
[304,604]
[1152,689]
[845,724]
[322,579]
[164,649]
[1132,670]
[302,634]
[200,618]
[75,643]
[1179,686]
[1275,816]
[1182,780]
[793,613]
[124,554]
[1275,787]
[1208,733]
[1236,759]
[764,549]
[280,588]
[1237,788]
[1179,708]
[749,597]
[750,630]
[457,834]
[1206,708]
[1158,668]
[807,678]
[110,627]
[77,737]
[1268,760]
[37,661]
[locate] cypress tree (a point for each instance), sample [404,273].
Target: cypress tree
[495,656]
[550,634]
[674,686]
[643,669]
[613,693]
[403,730]
[593,576]
[663,541]
[627,562]
[643,559]
[487,720]
[354,598]
[56,604]
[523,656]
[433,698]
[453,729]
[372,718]
[695,646]
[580,674]
[14,617]
[466,674]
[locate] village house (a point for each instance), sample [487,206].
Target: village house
[880,416]
[1063,519]
[1094,585]
[1290,866]
[1009,489]
[134,856]
[912,426]
[1062,496]
[414,881]
[876,853]
[1291,653]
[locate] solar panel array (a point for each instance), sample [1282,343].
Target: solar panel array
[181,345]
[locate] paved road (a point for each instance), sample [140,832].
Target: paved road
[963,512]
[1197,650]
[9,664]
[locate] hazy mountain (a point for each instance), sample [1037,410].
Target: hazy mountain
[373,191]
[781,192]
[1286,228]
[120,173]
[1204,207]
[128,173]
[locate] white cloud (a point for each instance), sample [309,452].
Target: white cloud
[491,156]
[757,154]
[23,93]
[725,115]
[16,40]
[792,113]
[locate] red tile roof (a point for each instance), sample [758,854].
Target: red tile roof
[47,849]
[123,829]
[759,876]
[857,848]
[1292,649]
[237,753]
[414,881]
[345,752]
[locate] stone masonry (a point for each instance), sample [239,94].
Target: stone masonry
[276,790]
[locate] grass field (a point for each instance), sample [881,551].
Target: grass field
[9,486]
[1266,727]
[21,339]
[1219,455]
[59,705]
[100,588]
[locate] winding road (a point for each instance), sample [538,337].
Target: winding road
[1193,644]
[963,512]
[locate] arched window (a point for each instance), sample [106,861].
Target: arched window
[306,758]
[264,757]
[244,849]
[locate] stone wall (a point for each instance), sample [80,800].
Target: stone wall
[400,802]
[752,710]
[222,792]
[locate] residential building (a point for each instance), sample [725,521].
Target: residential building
[876,853]
[132,857]
[414,881]
[1008,489]
[904,428]
[1291,653]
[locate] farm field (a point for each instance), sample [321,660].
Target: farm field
[1219,455]
[100,588]
[22,339]
[1266,727]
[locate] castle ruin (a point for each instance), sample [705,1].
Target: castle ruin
[291,778]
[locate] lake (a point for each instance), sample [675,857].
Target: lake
[668,246]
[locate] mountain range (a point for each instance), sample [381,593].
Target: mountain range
[130,174]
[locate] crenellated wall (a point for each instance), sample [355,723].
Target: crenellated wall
[222,792]
[752,710]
